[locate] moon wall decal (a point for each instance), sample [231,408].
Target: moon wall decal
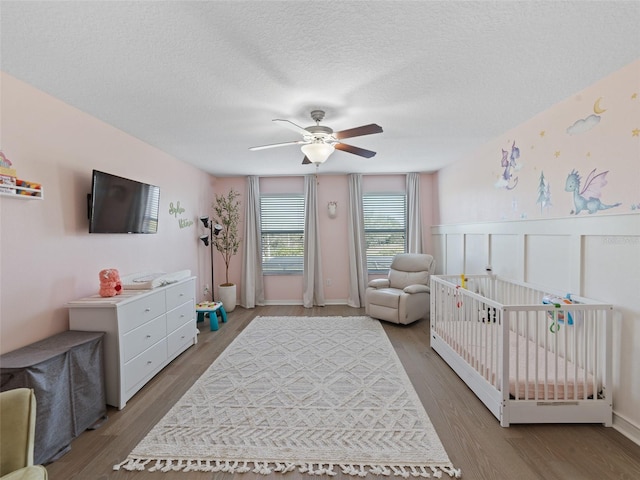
[596,107]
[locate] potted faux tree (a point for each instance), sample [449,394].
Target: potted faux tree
[227,213]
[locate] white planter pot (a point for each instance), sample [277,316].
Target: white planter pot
[227,295]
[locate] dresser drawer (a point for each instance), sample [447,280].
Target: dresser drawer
[141,310]
[137,341]
[179,316]
[181,338]
[179,294]
[145,365]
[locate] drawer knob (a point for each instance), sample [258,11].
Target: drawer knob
[148,336]
[147,309]
[149,362]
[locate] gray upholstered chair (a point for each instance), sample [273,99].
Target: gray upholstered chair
[402,297]
[17,436]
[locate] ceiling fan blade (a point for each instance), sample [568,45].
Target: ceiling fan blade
[273,145]
[306,161]
[355,150]
[359,131]
[292,126]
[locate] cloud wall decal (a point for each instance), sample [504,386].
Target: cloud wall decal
[583,125]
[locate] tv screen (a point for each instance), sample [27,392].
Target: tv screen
[120,205]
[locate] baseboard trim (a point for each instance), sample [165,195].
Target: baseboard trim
[339,301]
[626,427]
[282,302]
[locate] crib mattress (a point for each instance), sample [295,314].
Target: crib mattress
[535,373]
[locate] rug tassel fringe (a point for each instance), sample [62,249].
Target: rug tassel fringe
[380,470]
[284,467]
[266,468]
[263,468]
[453,472]
[400,471]
[359,470]
[132,464]
[321,470]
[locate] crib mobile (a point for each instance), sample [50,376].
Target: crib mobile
[558,316]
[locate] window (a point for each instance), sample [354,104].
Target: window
[385,223]
[282,232]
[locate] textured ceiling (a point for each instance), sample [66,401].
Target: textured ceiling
[203,80]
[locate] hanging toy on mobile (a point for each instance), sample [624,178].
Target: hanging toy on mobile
[463,284]
[558,315]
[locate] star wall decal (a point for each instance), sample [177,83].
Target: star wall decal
[557,154]
[634,96]
[542,133]
[635,132]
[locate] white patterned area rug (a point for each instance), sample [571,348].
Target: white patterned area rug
[320,395]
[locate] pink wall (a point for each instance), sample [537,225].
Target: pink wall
[598,128]
[47,256]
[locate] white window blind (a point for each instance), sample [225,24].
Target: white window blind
[151,206]
[385,225]
[282,233]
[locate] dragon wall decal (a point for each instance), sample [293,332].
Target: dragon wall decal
[587,198]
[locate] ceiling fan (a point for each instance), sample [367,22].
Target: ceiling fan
[318,141]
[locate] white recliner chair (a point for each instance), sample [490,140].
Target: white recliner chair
[402,297]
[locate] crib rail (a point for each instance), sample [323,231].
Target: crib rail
[544,354]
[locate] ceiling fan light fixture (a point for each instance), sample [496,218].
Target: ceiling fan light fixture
[317,152]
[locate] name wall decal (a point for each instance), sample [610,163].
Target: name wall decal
[178,210]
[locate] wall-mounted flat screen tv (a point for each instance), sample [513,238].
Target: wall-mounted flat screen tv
[121,205]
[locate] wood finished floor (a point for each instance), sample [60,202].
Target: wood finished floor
[474,440]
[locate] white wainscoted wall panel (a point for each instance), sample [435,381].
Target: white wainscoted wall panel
[606,259]
[593,256]
[547,260]
[505,255]
[454,243]
[476,248]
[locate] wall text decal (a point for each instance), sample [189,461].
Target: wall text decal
[178,210]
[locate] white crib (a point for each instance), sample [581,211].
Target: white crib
[527,361]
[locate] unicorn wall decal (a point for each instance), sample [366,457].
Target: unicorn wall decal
[587,198]
[508,162]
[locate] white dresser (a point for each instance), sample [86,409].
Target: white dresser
[145,330]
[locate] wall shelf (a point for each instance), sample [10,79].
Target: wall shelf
[39,193]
